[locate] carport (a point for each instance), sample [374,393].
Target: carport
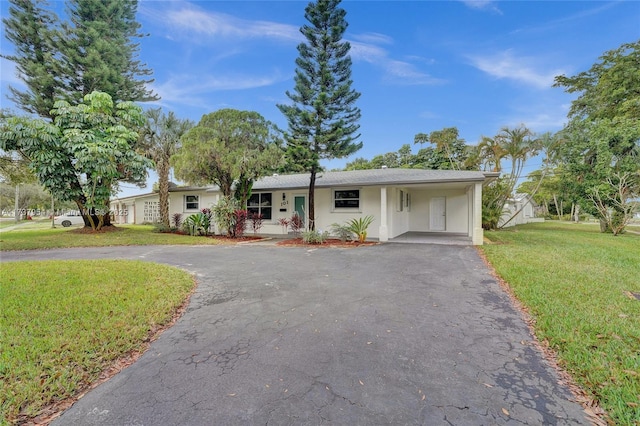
[446,238]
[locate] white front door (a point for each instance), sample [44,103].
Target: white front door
[438,214]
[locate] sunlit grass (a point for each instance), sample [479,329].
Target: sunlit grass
[63,322]
[44,238]
[577,284]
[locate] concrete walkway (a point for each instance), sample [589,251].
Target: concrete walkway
[394,334]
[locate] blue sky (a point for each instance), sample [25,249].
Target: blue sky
[419,65]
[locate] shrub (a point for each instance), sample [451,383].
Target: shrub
[198,224]
[359,227]
[161,228]
[314,237]
[223,214]
[239,223]
[296,224]
[257,220]
[284,222]
[177,220]
[343,232]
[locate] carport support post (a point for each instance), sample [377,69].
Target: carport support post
[383,231]
[478,235]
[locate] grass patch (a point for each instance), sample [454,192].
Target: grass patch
[575,282]
[127,235]
[63,322]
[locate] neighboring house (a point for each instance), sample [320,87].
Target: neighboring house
[523,206]
[400,200]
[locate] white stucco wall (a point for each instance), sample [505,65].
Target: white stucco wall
[414,215]
[326,214]
[457,210]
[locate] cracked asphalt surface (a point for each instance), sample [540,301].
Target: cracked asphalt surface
[391,334]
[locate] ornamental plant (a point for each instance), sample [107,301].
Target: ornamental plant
[177,220]
[239,223]
[198,224]
[223,214]
[296,224]
[314,237]
[359,226]
[257,220]
[343,232]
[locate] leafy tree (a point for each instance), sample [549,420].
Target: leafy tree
[359,163]
[602,148]
[31,197]
[322,118]
[452,151]
[84,153]
[29,28]
[14,169]
[160,140]
[229,147]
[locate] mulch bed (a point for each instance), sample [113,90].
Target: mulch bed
[297,242]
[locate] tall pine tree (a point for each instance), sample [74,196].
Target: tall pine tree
[30,28]
[99,53]
[323,118]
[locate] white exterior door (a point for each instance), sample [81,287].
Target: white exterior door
[438,214]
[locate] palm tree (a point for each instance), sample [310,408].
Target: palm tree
[518,145]
[160,140]
[491,153]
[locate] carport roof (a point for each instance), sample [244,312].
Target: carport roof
[372,178]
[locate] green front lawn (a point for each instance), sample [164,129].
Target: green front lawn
[63,322]
[577,284]
[43,237]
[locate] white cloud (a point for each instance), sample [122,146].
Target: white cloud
[192,20]
[521,69]
[199,25]
[483,5]
[429,115]
[373,38]
[193,90]
[401,72]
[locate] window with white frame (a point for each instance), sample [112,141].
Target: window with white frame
[192,202]
[260,203]
[400,204]
[346,199]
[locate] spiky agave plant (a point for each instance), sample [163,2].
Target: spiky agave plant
[359,226]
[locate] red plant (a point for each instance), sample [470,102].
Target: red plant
[239,223]
[257,220]
[296,224]
[284,222]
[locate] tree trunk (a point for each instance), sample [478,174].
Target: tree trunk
[163,191]
[604,226]
[312,206]
[555,202]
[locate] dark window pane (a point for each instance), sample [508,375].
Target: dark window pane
[266,213]
[347,204]
[254,200]
[265,199]
[354,193]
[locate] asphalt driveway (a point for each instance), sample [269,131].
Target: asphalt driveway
[384,335]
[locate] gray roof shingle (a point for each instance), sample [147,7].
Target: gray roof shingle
[370,178]
[355,178]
